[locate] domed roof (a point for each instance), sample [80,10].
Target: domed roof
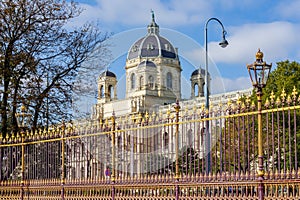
[147,63]
[196,72]
[152,45]
[108,73]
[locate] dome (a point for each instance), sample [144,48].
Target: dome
[152,45]
[196,72]
[147,64]
[108,73]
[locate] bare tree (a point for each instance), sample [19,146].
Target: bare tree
[40,58]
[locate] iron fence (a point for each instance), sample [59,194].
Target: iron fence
[159,155]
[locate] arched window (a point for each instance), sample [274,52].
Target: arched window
[141,82]
[110,91]
[101,91]
[196,90]
[132,79]
[169,80]
[151,81]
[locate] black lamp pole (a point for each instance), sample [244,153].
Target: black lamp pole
[223,44]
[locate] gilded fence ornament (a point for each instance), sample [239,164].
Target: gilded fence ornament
[147,116]
[211,108]
[239,101]
[206,111]
[70,127]
[133,118]
[283,95]
[202,107]
[278,102]
[248,101]
[12,138]
[294,93]
[31,135]
[194,109]
[253,105]
[272,97]
[289,99]
[234,107]
[229,102]
[220,105]
[153,115]
[140,117]
[150,119]
[168,113]
[18,136]
[267,103]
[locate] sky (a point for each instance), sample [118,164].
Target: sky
[271,25]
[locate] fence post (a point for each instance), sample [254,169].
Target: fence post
[260,171]
[63,127]
[113,140]
[1,157]
[22,162]
[177,109]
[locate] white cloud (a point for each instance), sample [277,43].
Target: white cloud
[237,84]
[135,13]
[278,40]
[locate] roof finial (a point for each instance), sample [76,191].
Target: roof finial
[153,18]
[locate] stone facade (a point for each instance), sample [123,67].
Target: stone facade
[153,84]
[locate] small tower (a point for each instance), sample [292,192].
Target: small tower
[107,87]
[197,83]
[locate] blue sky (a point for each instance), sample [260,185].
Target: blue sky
[273,26]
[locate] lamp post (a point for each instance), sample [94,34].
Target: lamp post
[22,120]
[259,73]
[223,44]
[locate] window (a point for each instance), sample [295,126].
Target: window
[167,47]
[151,81]
[110,91]
[150,47]
[132,79]
[101,91]
[135,48]
[169,80]
[141,82]
[196,90]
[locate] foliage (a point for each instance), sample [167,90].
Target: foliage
[281,130]
[158,164]
[285,76]
[40,57]
[189,161]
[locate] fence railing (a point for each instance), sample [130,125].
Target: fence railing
[159,155]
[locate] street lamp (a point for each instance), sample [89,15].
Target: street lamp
[22,121]
[259,73]
[23,118]
[223,44]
